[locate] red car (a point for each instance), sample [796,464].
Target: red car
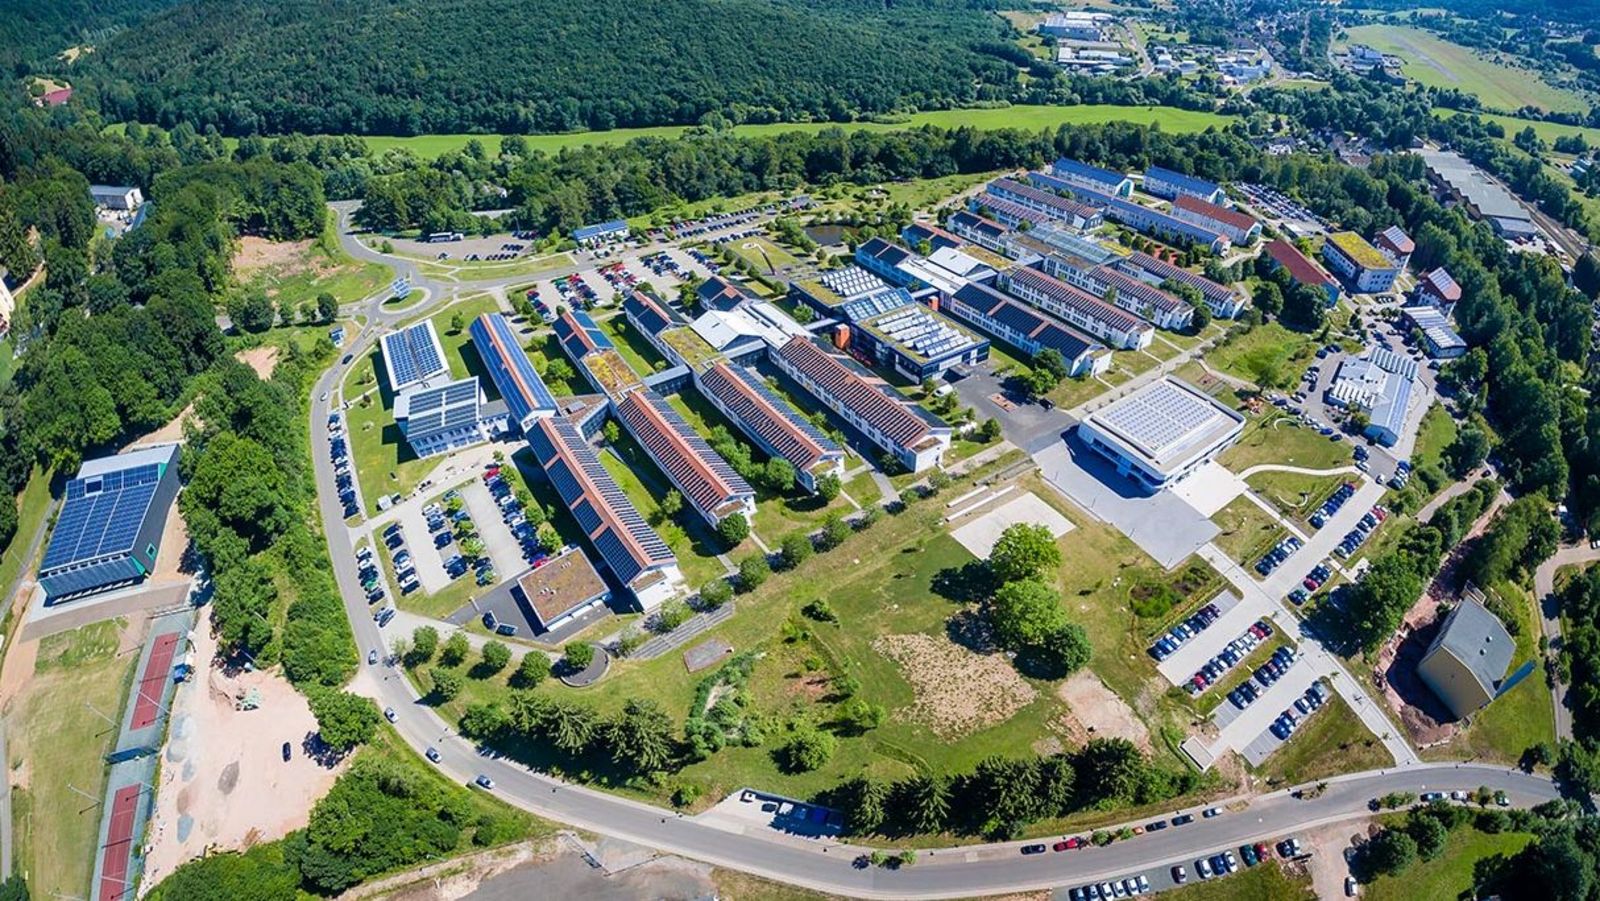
[1077,842]
[1060,846]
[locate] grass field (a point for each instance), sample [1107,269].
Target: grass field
[1263,883]
[1331,742]
[1248,531]
[1276,438]
[1170,119]
[1293,493]
[321,267]
[32,505]
[1268,355]
[633,347]
[1437,431]
[1437,63]
[57,744]
[1450,874]
[1549,131]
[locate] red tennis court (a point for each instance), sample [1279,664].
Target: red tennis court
[119,844]
[148,705]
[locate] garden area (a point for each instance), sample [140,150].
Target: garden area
[1277,438]
[1248,531]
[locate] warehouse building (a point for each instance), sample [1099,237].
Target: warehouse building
[1239,228]
[1225,302]
[1026,329]
[1482,197]
[746,331]
[636,556]
[1170,185]
[412,356]
[1094,178]
[914,438]
[1467,661]
[775,426]
[1379,385]
[1396,245]
[109,529]
[601,233]
[1076,25]
[1303,269]
[440,417]
[1076,307]
[1161,433]
[705,480]
[915,342]
[525,395]
[1440,337]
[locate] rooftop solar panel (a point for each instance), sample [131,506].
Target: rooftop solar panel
[413,355]
[101,514]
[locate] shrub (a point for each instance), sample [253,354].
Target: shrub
[807,749]
[534,668]
[753,571]
[496,656]
[579,655]
[821,611]
[794,550]
[715,593]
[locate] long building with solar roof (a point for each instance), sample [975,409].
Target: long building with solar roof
[1026,329]
[109,529]
[1079,308]
[1162,432]
[412,356]
[526,396]
[916,441]
[775,427]
[707,481]
[594,354]
[629,548]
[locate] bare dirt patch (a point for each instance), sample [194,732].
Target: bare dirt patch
[957,691]
[262,359]
[280,257]
[224,782]
[1100,712]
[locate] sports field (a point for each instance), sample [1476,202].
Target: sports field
[1438,63]
[1170,119]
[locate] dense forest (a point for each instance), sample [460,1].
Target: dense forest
[30,32]
[521,66]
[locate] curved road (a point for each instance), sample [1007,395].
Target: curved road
[825,865]
[1544,587]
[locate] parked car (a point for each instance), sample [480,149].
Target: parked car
[389,714]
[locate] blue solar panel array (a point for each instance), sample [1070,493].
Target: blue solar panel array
[446,408]
[579,335]
[525,394]
[412,355]
[101,516]
[643,311]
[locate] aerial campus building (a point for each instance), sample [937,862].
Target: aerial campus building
[1041,202]
[1396,245]
[525,395]
[915,440]
[1161,433]
[564,588]
[1119,208]
[1119,329]
[1436,287]
[1094,178]
[1025,328]
[1379,385]
[1240,228]
[1170,185]
[1302,269]
[601,232]
[1225,302]
[1364,267]
[634,553]
[982,231]
[437,414]
[777,428]
[1441,338]
[1467,660]
[917,232]
[707,481]
[594,354]
[109,529]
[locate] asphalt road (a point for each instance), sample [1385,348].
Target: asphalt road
[827,866]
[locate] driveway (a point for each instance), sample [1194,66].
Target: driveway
[1164,525]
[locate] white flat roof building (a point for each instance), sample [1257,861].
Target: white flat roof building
[1162,432]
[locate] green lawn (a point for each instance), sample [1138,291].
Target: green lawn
[59,742]
[1248,531]
[1331,742]
[32,506]
[1268,355]
[1437,432]
[1276,438]
[1171,119]
[1450,874]
[532,266]
[1438,63]
[7,362]
[457,344]
[383,461]
[639,353]
[1295,494]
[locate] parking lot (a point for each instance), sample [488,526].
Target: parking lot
[661,270]
[502,547]
[1263,745]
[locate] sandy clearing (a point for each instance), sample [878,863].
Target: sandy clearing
[957,691]
[283,257]
[262,359]
[224,783]
[1099,710]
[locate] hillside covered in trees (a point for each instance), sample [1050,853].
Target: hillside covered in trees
[518,66]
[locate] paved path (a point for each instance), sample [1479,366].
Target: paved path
[1299,470]
[1544,587]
